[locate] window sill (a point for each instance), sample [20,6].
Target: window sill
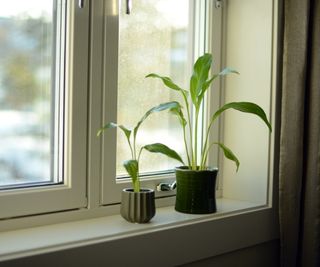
[237,224]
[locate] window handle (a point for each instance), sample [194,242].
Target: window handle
[128,7]
[218,3]
[166,186]
[81,3]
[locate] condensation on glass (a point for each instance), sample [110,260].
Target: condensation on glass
[154,38]
[31,80]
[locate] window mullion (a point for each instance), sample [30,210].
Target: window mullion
[202,44]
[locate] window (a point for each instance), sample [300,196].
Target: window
[209,28]
[89,68]
[39,107]
[161,37]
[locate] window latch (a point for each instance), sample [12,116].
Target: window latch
[166,186]
[81,3]
[218,3]
[128,7]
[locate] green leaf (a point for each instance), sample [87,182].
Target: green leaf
[105,127]
[126,131]
[199,77]
[161,107]
[205,87]
[168,82]
[178,112]
[111,125]
[229,154]
[226,71]
[246,107]
[132,168]
[207,84]
[163,149]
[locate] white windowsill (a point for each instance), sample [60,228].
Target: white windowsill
[51,238]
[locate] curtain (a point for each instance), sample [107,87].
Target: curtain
[299,167]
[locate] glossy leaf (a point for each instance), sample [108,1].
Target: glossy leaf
[199,77]
[205,87]
[132,168]
[126,131]
[178,112]
[246,107]
[111,125]
[163,149]
[229,154]
[226,71]
[167,81]
[161,107]
[208,82]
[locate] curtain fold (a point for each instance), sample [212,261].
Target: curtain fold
[299,187]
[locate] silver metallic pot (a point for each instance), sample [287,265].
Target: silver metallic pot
[137,207]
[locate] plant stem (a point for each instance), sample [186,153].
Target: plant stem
[203,158]
[132,154]
[186,145]
[190,132]
[191,139]
[136,184]
[204,150]
[196,140]
[136,181]
[205,154]
[134,148]
[139,154]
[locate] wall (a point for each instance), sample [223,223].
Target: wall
[262,255]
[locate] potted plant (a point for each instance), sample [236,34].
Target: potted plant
[195,180]
[137,204]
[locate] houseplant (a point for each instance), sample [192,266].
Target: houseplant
[195,180]
[137,204]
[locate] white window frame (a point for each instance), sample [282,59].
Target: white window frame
[71,194]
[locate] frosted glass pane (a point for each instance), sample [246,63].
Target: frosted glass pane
[153,38]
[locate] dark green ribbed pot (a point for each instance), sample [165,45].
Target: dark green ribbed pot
[196,190]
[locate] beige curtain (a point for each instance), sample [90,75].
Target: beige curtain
[300,135]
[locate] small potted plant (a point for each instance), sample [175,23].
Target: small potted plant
[137,204]
[195,180]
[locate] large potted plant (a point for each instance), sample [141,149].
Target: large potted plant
[137,204]
[195,180]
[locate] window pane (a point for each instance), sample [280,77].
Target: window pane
[153,38]
[27,95]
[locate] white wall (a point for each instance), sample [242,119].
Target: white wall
[249,46]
